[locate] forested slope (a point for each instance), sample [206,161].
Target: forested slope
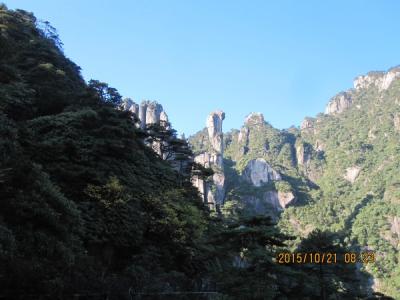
[338,173]
[88,209]
[85,205]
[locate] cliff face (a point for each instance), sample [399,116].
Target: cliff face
[379,80]
[351,154]
[243,162]
[258,172]
[148,112]
[212,157]
[339,103]
[339,171]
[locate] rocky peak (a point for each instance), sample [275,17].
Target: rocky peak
[214,128]
[128,104]
[381,80]
[258,171]
[339,103]
[308,123]
[148,112]
[213,192]
[254,119]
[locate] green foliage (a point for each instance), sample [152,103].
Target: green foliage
[105,93]
[85,205]
[243,262]
[364,136]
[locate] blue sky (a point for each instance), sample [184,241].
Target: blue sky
[282,58]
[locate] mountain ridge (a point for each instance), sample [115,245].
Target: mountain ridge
[328,166]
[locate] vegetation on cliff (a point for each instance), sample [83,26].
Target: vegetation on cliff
[87,208]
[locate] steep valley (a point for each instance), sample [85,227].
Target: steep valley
[100,198]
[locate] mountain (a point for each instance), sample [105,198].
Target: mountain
[99,198]
[86,207]
[338,172]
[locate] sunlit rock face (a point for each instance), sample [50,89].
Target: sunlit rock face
[352,174]
[396,121]
[270,203]
[381,80]
[302,155]
[254,119]
[308,123]
[129,105]
[148,112]
[153,112]
[214,127]
[339,103]
[213,192]
[258,171]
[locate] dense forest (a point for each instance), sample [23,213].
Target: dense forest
[89,211]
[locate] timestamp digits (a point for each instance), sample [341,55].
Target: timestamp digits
[325,257]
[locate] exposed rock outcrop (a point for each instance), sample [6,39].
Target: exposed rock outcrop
[303,154]
[319,146]
[352,174]
[254,119]
[214,127]
[214,192]
[308,123]
[128,104]
[258,171]
[382,80]
[395,227]
[285,198]
[396,122]
[148,112]
[339,103]
[151,112]
[204,159]
[278,201]
[243,139]
[244,135]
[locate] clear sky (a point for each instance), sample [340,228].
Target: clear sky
[282,58]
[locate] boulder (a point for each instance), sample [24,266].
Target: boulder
[352,174]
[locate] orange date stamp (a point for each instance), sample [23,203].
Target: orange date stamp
[325,257]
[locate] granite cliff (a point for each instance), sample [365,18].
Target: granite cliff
[337,172]
[210,155]
[148,112]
